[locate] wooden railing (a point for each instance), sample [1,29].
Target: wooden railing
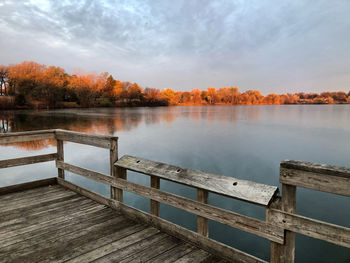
[281,222]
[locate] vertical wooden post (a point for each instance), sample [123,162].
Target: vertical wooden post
[202,223]
[275,248]
[154,208]
[288,205]
[60,157]
[113,157]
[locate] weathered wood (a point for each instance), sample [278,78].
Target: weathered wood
[94,244]
[153,249]
[121,174]
[288,205]
[275,248]
[202,222]
[245,223]
[53,247]
[324,169]
[310,227]
[203,242]
[113,157]
[60,157]
[335,184]
[196,239]
[103,141]
[145,242]
[18,196]
[34,203]
[72,222]
[28,160]
[87,193]
[115,246]
[174,253]
[197,255]
[252,192]
[154,205]
[25,186]
[13,137]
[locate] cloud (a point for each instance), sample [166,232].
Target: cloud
[274,46]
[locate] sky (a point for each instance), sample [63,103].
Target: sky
[272,46]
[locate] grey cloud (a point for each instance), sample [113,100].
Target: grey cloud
[273,46]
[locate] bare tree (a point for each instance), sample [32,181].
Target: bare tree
[3,80]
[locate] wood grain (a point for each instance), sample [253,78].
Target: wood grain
[252,192]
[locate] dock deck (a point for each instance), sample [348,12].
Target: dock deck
[55,224]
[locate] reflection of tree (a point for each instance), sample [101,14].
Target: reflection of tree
[112,121]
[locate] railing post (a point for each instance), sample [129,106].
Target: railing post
[60,157]
[202,223]
[154,208]
[113,157]
[288,205]
[275,248]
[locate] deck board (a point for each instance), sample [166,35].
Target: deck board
[54,224]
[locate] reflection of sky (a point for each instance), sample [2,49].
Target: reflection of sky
[273,46]
[246,142]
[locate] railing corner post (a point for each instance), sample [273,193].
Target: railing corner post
[288,205]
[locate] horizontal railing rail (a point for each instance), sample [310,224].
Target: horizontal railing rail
[256,193]
[281,222]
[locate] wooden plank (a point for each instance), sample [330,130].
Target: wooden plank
[310,227]
[242,222]
[27,160]
[200,241]
[60,157]
[174,253]
[113,157]
[51,248]
[27,216]
[321,182]
[26,186]
[87,193]
[197,255]
[35,203]
[94,244]
[56,213]
[202,222]
[28,198]
[77,221]
[318,168]
[19,195]
[26,136]
[152,250]
[154,205]
[147,242]
[103,141]
[115,246]
[288,205]
[203,242]
[252,192]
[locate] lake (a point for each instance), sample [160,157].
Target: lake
[246,142]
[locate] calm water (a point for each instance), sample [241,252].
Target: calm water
[246,142]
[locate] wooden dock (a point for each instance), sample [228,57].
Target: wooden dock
[55,224]
[54,220]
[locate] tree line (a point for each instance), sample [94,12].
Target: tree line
[32,85]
